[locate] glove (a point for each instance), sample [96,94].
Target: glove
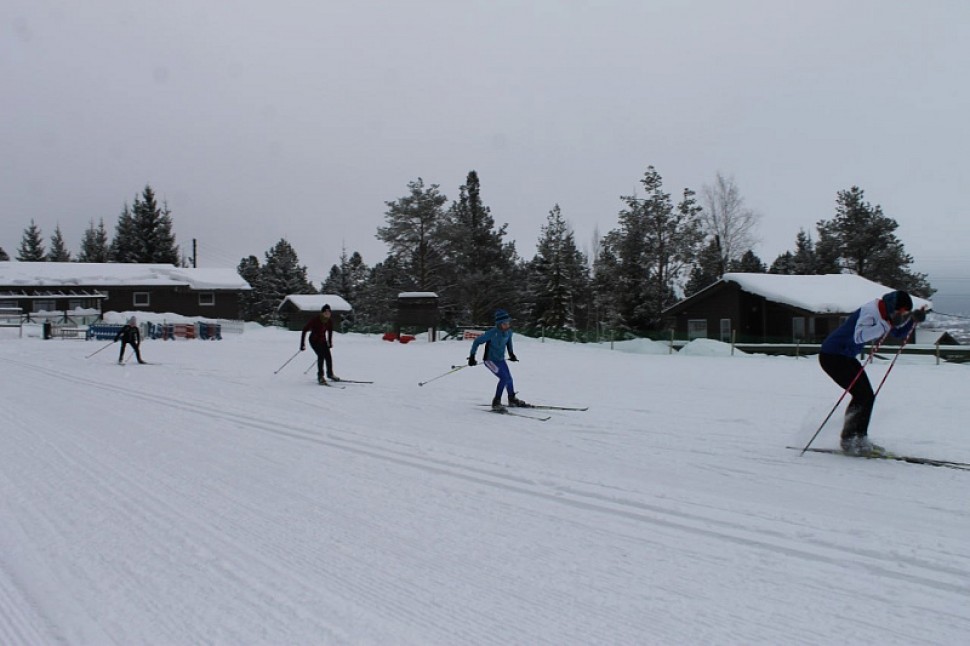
[472,362]
[512,357]
[919,315]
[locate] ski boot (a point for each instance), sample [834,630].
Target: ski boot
[497,404]
[861,446]
[515,402]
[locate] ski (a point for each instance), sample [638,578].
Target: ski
[548,407]
[506,411]
[961,466]
[329,385]
[351,381]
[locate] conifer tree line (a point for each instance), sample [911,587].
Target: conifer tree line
[660,250]
[143,234]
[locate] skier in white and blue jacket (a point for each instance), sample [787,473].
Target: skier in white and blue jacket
[892,314]
[496,340]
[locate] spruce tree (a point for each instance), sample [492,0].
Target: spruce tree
[481,267]
[558,274]
[375,303]
[280,276]
[347,279]
[58,251]
[31,245]
[707,269]
[3,255]
[94,244]
[125,246]
[748,263]
[153,230]
[249,270]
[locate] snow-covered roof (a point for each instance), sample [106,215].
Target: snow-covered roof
[313,302]
[417,295]
[104,274]
[825,294]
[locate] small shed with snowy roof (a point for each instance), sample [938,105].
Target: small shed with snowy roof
[774,308]
[297,309]
[121,287]
[417,310]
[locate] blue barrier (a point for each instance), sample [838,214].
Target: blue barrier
[102,331]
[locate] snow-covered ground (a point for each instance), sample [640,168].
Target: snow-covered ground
[205,499]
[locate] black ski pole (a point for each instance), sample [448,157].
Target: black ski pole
[276,372]
[453,369]
[845,392]
[99,349]
[312,363]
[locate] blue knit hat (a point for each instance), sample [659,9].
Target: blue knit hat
[501,316]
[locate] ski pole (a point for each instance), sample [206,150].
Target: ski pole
[845,392]
[893,362]
[287,362]
[312,363]
[99,349]
[453,369]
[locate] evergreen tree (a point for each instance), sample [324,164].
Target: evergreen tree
[748,263]
[413,223]
[280,276]
[94,244]
[347,279]
[153,230]
[250,270]
[707,269]
[652,248]
[376,298]
[58,251]
[31,245]
[805,260]
[559,278]
[3,255]
[862,240]
[125,246]
[783,264]
[481,267]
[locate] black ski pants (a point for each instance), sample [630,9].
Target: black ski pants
[134,345]
[322,348]
[843,370]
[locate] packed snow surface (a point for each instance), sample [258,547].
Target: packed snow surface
[209,499]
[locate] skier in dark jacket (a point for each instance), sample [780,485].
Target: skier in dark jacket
[891,314]
[321,340]
[496,340]
[129,334]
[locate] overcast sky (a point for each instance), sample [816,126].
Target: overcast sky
[260,120]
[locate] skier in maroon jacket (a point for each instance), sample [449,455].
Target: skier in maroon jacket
[321,340]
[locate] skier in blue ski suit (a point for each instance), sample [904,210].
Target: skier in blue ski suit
[891,314]
[496,340]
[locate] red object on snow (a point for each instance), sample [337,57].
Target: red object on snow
[406,338]
[389,336]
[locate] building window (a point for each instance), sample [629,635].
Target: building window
[207,298]
[798,328]
[726,330]
[141,299]
[44,305]
[696,329]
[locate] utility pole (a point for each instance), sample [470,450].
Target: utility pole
[195,253]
